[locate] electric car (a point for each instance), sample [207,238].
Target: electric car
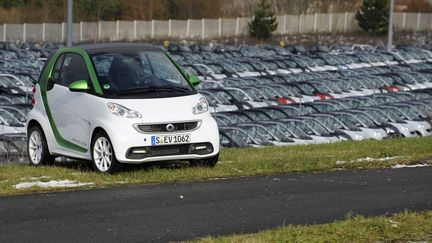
[119,103]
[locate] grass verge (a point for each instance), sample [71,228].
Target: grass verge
[233,163]
[402,227]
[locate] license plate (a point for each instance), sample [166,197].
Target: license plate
[170,139]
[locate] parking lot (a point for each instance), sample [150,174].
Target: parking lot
[267,95]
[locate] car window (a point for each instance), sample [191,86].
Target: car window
[73,69]
[56,75]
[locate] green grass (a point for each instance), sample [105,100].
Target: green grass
[233,163]
[402,227]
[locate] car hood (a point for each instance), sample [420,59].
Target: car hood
[164,109]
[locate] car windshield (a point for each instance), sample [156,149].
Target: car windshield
[253,93]
[394,114]
[133,72]
[16,113]
[7,82]
[295,129]
[306,88]
[318,128]
[349,121]
[377,116]
[257,134]
[215,68]
[276,131]
[275,114]
[329,122]
[238,94]
[238,136]
[256,115]
[9,120]
[365,120]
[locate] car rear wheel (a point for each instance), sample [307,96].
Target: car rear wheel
[37,148]
[103,156]
[210,162]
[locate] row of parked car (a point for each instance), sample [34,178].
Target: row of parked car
[378,116]
[269,95]
[20,66]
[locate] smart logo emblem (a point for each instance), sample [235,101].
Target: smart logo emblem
[170,127]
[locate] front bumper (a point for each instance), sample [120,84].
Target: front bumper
[133,147]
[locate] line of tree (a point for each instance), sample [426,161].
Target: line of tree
[36,11]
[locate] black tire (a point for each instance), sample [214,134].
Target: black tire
[113,166]
[42,148]
[209,162]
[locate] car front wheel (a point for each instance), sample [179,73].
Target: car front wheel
[103,156]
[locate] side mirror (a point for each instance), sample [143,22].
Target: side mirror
[193,80]
[79,86]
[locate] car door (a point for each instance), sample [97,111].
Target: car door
[69,109]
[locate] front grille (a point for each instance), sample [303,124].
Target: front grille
[160,128]
[167,150]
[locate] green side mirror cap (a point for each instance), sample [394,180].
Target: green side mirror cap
[193,80]
[79,86]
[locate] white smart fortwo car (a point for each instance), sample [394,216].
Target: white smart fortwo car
[119,103]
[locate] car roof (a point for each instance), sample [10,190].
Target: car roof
[104,47]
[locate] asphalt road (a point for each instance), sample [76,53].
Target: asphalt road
[173,212]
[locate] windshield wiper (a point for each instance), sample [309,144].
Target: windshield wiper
[152,89]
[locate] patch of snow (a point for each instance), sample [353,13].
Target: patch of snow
[367,159]
[400,166]
[52,183]
[217,178]
[122,182]
[35,178]
[394,224]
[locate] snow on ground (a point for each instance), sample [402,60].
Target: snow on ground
[367,159]
[35,178]
[52,183]
[399,166]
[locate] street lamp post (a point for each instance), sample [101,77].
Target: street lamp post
[390,27]
[69,22]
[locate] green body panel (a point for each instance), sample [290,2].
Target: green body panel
[43,87]
[192,79]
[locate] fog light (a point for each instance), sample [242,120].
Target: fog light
[200,147]
[139,151]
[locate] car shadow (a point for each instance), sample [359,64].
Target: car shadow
[87,166]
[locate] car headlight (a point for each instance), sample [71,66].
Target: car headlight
[122,111]
[389,130]
[201,107]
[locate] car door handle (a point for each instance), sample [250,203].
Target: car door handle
[50,84]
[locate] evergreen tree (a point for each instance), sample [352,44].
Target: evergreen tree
[100,9]
[173,8]
[7,4]
[373,16]
[263,22]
